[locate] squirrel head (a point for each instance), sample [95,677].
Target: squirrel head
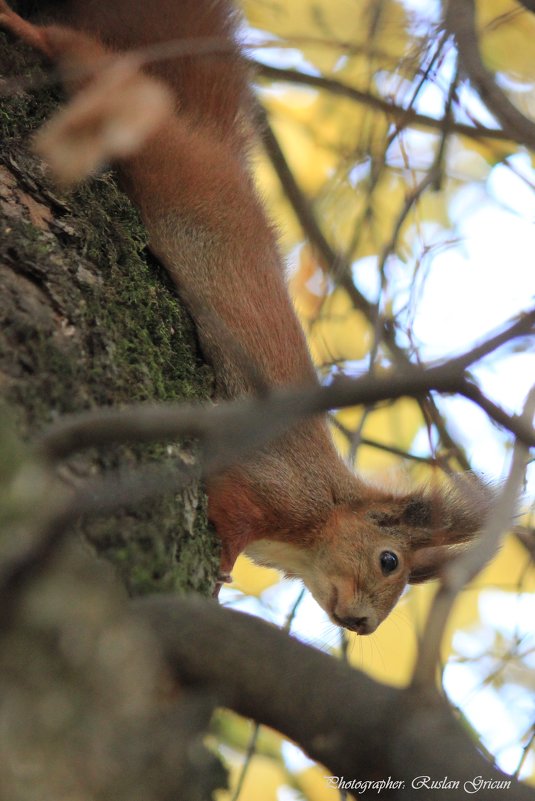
[358,561]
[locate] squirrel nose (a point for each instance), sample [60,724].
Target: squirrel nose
[358,624]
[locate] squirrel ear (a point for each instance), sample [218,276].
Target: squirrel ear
[442,521]
[436,521]
[445,520]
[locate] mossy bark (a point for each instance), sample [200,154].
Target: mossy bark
[88,318]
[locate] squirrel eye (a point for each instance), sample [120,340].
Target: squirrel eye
[389,562]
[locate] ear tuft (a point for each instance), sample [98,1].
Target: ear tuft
[448,514]
[466,503]
[455,515]
[418,513]
[436,522]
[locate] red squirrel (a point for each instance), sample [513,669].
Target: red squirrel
[295,505]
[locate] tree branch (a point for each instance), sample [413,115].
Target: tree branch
[523,325]
[460,19]
[340,269]
[357,727]
[234,428]
[403,116]
[56,510]
[228,432]
[462,570]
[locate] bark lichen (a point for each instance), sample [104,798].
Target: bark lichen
[88,318]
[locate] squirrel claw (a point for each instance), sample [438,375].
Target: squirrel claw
[223,578]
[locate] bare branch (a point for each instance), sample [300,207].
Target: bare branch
[404,117]
[513,423]
[233,429]
[462,570]
[522,326]
[357,727]
[229,432]
[307,219]
[44,534]
[460,19]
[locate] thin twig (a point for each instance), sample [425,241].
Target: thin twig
[249,754]
[525,750]
[522,325]
[465,568]
[340,268]
[214,45]
[460,19]
[406,117]
[354,726]
[61,509]
[381,446]
[251,747]
[233,428]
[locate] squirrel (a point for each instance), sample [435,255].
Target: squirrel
[295,505]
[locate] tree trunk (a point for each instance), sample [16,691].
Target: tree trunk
[89,318]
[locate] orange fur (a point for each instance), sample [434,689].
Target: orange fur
[295,505]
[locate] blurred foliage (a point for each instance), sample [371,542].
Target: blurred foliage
[382,191]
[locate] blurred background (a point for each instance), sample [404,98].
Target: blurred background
[409,236]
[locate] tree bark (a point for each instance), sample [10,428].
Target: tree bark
[88,318]
[360,729]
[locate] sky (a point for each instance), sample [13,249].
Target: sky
[475,288]
[471,289]
[495,267]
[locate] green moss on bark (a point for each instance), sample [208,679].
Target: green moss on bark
[88,318]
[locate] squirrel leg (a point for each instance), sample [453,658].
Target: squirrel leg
[32,35]
[115,105]
[61,45]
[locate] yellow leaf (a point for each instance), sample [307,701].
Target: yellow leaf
[386,203]
[507,32]
[340,338]
[236,732]
[333,21]
[262,782]
[395,424]
[510,569]
[314,786]
[338,303]
[308,285]
[252,579]
[311,162]
[433,206]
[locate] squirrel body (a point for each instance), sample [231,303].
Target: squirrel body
[295,505]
